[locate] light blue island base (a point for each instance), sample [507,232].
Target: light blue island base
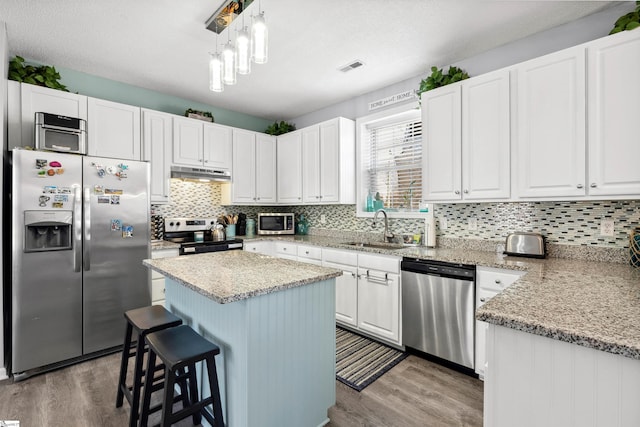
[277,361]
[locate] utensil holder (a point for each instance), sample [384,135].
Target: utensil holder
[634,247]
[231,231]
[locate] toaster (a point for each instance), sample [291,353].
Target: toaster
[525,244]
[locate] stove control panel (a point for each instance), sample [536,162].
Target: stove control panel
[187,224]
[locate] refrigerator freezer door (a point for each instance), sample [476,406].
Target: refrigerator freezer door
[117,236]
[46,292]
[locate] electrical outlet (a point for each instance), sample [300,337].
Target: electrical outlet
[473,224]
[606,227]
[323,219]
[443,223]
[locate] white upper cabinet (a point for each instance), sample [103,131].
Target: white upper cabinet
[486,139]
[113,129]
[613,113]
[187,142]
[218,146]
[157,141]
[311,164]
[289,176]
[35,99]
[550,146]
[441,143]
[243,186]
[265,168]
[466,139]
[254,169]
[202,144]
[328,162]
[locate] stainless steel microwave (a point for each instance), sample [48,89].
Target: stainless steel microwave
[61,133]
[276,223]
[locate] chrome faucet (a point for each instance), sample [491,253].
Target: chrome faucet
[387,235]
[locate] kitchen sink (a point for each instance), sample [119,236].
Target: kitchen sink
[379,245]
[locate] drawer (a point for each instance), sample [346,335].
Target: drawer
[311,252]
[336,256]
[155,275]
[385,263]
[495,278]
[164,253]
[157,289]
[286,248]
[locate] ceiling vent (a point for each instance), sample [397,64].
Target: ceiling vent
[351,66]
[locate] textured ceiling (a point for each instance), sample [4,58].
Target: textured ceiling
[163,45]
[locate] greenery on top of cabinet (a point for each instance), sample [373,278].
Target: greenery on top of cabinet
[629,21]
[42,75]
[280,128]
[438,78]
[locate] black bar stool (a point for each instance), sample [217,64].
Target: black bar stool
[179,349]
[145,320]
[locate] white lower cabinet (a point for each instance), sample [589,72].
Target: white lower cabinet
[379,303]
[489,283]
[310,254]
[286,250]
[157,279]
[346,285]
[260,247]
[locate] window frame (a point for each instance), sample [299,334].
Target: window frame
[361,134]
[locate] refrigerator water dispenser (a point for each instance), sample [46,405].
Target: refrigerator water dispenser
[47,230]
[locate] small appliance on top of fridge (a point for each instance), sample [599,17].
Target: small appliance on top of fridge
[80,230]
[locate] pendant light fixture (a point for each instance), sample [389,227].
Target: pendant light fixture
[250,44]
[243,51]
[259,39]
[229,64]
[215,73]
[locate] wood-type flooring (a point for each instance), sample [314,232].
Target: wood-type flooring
[416,392]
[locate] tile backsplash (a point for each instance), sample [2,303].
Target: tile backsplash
[564,223]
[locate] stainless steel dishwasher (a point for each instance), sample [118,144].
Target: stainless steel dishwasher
[438,309]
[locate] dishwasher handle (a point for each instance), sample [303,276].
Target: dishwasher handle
[440,269]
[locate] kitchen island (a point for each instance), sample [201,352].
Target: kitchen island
[274,321]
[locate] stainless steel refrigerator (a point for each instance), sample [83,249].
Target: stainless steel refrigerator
[80,230]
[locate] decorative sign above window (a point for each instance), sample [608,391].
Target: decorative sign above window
[393,99]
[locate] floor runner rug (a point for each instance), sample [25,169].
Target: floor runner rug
[360,360]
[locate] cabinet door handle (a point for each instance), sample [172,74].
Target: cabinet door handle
[306,252]
[579,185]
[483,299]
[206,161]
[457,191]
[466,191]
[200,160]
[354,275]
[378,279]
[594,185]
[498,281]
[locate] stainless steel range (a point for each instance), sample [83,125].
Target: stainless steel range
[195,237]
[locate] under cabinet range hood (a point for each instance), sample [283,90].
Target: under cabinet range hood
[200,174]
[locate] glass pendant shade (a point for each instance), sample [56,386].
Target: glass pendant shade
[215,73]
[259,39]
[229,64]
[243,51]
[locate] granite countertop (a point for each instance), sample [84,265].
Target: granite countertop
[589,303]
[163,244]
[236,275]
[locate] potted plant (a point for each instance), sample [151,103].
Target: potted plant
[280,128]
[438,78]
[630,21]
[41,75]
[200,115]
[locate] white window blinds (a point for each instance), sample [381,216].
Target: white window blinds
[392,162]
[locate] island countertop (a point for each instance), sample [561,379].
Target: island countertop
[230,276]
